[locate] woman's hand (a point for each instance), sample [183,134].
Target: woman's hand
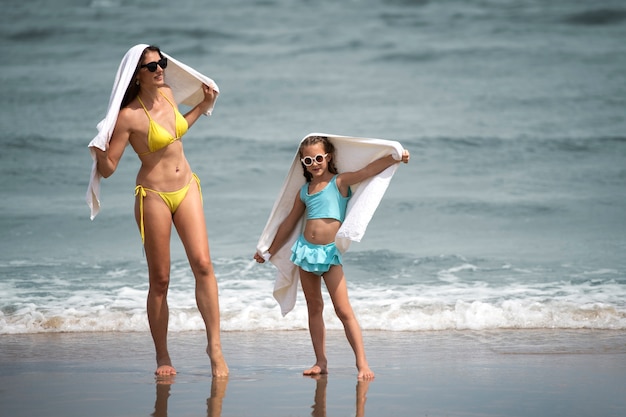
[210,95]
[204,107]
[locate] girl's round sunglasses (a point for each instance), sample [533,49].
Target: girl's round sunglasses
[152,66]
[308,161]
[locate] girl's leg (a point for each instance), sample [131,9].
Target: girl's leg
[338,290]
[158,226]
[191,227]
[312,288]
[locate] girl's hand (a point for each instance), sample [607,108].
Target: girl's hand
[262,258]
[406,156]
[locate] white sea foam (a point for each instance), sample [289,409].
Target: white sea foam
[465,302]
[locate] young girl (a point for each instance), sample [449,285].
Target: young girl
[324,198]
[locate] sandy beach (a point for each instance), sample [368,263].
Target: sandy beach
[452,373]
[509,220]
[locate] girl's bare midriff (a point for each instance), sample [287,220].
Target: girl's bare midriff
[321,231]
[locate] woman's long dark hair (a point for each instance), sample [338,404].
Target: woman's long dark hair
[328,148]
[133,88]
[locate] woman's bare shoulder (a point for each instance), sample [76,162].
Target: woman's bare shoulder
[131,112]
[130,118]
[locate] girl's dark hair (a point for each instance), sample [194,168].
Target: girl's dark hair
[328,148]
[133,88]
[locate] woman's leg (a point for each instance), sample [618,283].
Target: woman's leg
[338,290]
[312,288]
[191,226]
[158,227]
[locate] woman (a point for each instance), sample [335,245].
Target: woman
[167,193]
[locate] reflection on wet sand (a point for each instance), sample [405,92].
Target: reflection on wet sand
[218,392]
[213,403]
[319,405]
[163,386]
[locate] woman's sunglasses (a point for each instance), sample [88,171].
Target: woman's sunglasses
[152,66]
[308,161]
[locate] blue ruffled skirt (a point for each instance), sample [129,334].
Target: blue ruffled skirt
[315,258]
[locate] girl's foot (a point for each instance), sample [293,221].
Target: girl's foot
[165,370]
[365,374]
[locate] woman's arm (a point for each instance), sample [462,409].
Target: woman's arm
[108,160]
[347,179]
[285,228]
[210,95]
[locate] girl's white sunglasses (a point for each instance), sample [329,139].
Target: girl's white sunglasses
[308,161]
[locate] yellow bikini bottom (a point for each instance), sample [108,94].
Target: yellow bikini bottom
[171,198]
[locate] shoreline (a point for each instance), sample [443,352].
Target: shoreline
[455,373]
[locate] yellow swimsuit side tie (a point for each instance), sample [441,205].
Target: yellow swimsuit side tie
[171,198]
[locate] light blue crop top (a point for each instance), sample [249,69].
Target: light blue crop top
[325,204]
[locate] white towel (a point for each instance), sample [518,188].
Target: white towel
[352,154]
[186,84]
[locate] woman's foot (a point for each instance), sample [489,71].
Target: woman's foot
[316,370]
[219,368]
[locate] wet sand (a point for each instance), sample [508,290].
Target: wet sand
[450,373]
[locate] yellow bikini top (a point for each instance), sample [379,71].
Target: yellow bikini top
[158,136]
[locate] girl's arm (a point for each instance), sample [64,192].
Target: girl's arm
[285,228]
[108,160]
[347,179]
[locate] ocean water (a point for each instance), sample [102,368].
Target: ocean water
[511,214]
